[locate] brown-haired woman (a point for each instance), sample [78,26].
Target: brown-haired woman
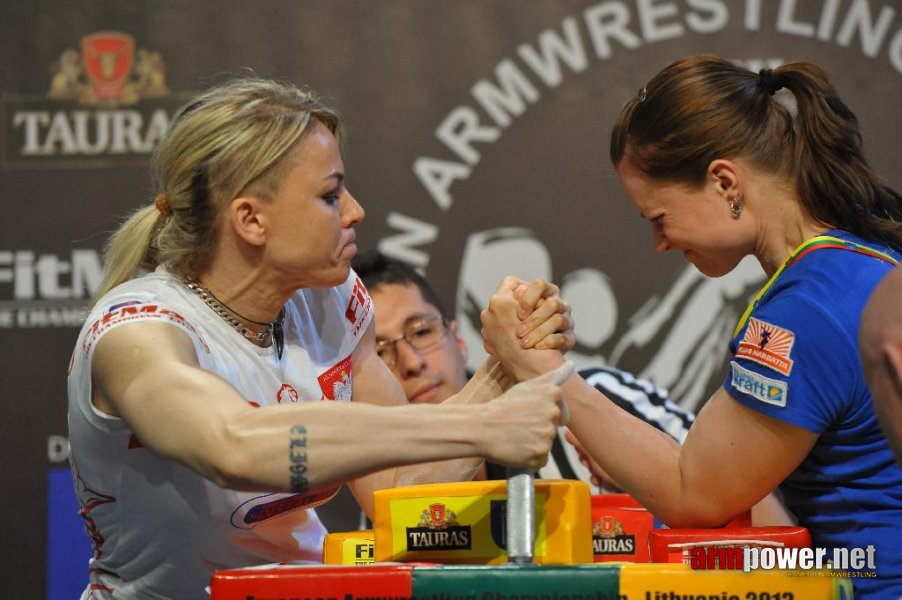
[722,169]
[229,309]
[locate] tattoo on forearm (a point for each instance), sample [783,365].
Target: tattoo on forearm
[297,456]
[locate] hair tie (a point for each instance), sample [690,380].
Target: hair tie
[162,204]
[769,81]
[643,93]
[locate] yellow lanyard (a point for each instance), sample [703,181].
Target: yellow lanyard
[816,243]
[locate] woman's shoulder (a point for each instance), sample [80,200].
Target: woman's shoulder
[846,247]
[829,284]
[147,296]
[146,287]
[839,262]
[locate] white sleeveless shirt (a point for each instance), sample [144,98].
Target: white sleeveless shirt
[159,529]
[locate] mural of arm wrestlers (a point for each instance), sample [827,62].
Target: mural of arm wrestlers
[722,169]
[210,387]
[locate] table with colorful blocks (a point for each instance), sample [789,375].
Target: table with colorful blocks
[448,542]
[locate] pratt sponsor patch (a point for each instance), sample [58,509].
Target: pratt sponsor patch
[767,345]
[771,391]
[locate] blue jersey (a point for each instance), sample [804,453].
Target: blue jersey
[796,360]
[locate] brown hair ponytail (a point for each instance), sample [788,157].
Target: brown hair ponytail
[703,107]
[833,179]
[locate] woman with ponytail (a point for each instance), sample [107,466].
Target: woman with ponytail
[711,156]
[229,310]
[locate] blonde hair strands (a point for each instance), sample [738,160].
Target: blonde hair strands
[232,139]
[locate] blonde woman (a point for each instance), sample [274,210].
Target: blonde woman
[198,436]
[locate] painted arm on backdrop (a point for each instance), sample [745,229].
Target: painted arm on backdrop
[731,458]
[148,375]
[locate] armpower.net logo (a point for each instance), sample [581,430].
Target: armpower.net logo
[106,104]
[762,556]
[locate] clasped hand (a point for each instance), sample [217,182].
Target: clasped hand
[527,327]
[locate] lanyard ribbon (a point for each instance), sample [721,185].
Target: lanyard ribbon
[819,242]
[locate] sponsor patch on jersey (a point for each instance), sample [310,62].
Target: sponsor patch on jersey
[116,307]
[129,311]
[336,382]
[359,307]
[262,508]
[771,391]
[767,345]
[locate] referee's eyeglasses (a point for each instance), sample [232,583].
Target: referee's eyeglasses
[422,334]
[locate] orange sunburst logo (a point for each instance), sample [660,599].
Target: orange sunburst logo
[767,345]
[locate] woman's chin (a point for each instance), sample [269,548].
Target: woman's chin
[706,268]
[324,279]
[713,271]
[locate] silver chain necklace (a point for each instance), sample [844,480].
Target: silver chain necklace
[261,338]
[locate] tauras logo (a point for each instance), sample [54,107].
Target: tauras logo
[452,538]
[438,529]
[621,544]
[608,537]
[106,104]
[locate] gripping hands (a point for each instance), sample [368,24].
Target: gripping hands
[527,327]
[522,423]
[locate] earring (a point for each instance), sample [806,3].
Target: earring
[735,207]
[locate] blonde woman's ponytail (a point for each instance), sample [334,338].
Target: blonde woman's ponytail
[130,249]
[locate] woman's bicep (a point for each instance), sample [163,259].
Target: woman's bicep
[733,455]
[148,375]
[373,382]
